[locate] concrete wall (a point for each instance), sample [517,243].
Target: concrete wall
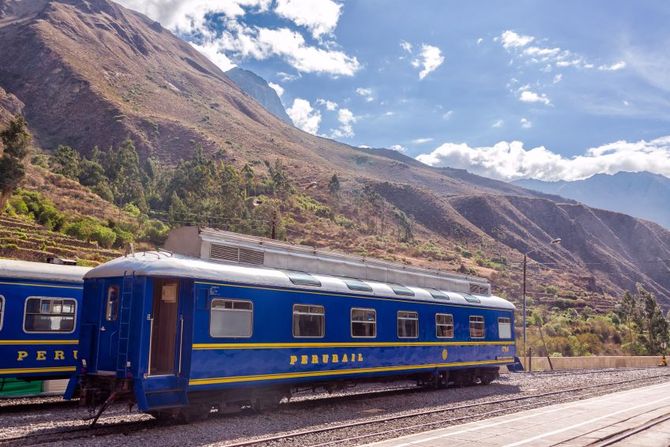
[593,362]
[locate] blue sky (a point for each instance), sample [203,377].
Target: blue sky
[549,90]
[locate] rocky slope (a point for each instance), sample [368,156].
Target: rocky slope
[93,73]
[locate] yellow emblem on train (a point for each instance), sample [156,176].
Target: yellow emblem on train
[445,354]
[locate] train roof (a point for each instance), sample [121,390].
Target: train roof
[234,248]
[173,265]
[10,268]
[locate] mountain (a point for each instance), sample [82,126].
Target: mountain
[258,88]
[92,73]
[640,194]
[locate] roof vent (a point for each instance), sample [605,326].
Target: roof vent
[236,254]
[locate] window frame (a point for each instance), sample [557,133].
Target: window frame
[293,314]
[398,318]
[351,322]
[118,302]
[51,298]
[3,311]
[453,326]
[509,322]
[211,309]
[483,321]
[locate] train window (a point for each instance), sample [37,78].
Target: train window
[408,324]
[401,290]
[2,310]
[357,285]
[45,314]
[504,328]
[309,320]
[112,308]
[363,323]
[477,326]
[231,318]
[303,279]
[444,326]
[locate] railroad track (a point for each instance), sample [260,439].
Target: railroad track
[535,400]
[25,407]
[426,425]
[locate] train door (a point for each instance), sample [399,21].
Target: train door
[108,338]
[164,328]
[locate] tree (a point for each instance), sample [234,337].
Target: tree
[66,161]
[334,184]
[15,140]
[655,325]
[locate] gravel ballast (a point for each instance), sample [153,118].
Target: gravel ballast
[314,411]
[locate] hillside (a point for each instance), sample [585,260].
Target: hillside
[640,194]
[94,73]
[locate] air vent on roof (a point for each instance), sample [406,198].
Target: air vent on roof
[479,289]
[236,254]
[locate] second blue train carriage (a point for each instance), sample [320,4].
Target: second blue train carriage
[39,308]
[178,335]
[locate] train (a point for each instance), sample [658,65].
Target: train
[225,321]
[40,305]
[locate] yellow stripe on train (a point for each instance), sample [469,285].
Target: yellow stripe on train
[293,375]
[37,370]
[206,346]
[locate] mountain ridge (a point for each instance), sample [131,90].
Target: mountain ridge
[641,194]
[259,89]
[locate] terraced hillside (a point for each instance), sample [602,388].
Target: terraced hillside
[22,239]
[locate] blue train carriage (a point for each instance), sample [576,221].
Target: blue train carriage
[39,309]
[178,335]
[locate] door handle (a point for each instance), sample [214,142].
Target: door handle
[102,329]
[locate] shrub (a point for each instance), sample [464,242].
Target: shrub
[105,237]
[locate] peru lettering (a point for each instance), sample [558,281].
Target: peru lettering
[42,355]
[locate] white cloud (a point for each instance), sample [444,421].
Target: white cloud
[304,116]
[428,60]
[525,123]
[389,113]
[365,93]
[287,77]
[213,53]
[530,96]
[558,78]
[520,46]
[422,140]
[510,39]
[330,105]
[406,46]
[238,40]
[447,115]
[480,40]
[318,16]
[498,124]
[614,67]
[364,146]
[399,148]
[188,16]
[277,88]
[346,119]
[511,161]
[262,43]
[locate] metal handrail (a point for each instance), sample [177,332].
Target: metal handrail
[151,337]
[181,339]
